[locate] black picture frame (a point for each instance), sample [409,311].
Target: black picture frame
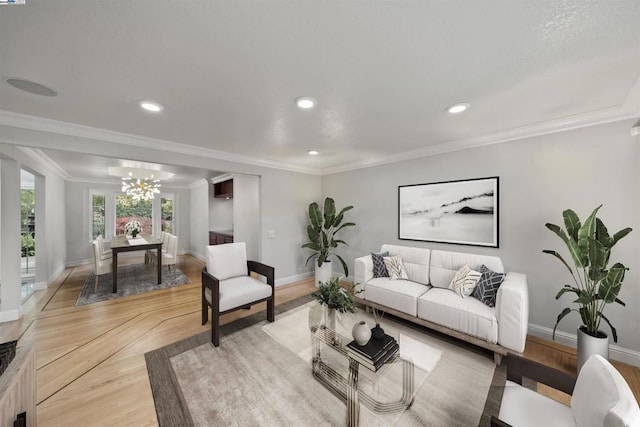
[462,212]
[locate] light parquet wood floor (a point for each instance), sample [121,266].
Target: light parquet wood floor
[90,359]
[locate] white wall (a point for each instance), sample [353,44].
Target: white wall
[199,218]
[539,178]
[52,241]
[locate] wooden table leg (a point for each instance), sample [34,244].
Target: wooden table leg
[114,271]
[159,264]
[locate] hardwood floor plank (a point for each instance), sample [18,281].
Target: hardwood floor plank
[91,366]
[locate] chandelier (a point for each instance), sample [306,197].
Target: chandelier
[141,188]
[140,183]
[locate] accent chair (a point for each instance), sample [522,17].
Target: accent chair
[100,265]
[599,396]
[227,284]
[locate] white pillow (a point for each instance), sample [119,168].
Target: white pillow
[465,281]
[395,267]
[226,261]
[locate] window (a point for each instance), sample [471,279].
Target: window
[128,209]
[98,215]
[166,212]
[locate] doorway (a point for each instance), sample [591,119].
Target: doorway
[27,232]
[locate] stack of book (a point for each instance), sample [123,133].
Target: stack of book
[375,353]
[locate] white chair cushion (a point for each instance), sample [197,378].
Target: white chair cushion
[602,397]
[226,261]
[239,291]
[468,315]
[414,260]
[401,295]
[444,265]
[522,407]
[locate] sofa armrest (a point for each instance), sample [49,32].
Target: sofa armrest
[512,312]
[363,272]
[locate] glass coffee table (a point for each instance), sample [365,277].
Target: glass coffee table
[386,390]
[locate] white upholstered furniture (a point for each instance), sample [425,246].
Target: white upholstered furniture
[424,297]
[228,286]
[169,252]
[100,265]
[600,397]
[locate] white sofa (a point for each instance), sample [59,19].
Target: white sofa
[425,298]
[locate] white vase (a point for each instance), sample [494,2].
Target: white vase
[361,332]
[323,273]
[588,345]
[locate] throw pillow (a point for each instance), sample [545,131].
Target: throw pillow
[465,281]
[395,268]
[487,288]
[379,269]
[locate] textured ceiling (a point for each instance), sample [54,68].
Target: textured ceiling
[227,72]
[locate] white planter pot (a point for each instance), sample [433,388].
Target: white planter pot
[588,345]
[323,273]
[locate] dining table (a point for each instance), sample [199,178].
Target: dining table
[142,242]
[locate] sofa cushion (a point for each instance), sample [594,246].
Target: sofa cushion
[395,268]
[415,261]
[401,295]
[379,269]
[228,260]
[526,408]
[444,265]
[239,291]
[487,288]
[465,280]
[468,315]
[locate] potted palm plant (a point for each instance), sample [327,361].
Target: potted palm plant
[595,283]
[324,225]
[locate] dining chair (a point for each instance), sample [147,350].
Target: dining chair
[227,284]
[103,254]
[100,266]
[170,256]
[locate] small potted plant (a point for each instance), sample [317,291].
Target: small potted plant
[595,283]
[335,298]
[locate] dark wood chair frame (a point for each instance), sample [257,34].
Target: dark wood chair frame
[519,368]
[211,282]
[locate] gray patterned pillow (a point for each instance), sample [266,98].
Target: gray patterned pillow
[487,288]
[379,269]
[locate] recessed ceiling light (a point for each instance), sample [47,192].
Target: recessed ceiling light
[313,152]
[458,108]
[29,86]
[154,107]
[305,102]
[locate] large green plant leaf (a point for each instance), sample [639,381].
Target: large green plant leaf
[571,223]
[329,212]
[579,258]
[610,286]
[315,216]
[597,259]
[567,288]
[588,230]
[602,235]
[619,235]
[313,234]
[344,265]
[346,224]
[561,316]
[614,333]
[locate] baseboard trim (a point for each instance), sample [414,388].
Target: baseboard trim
[295,278]
[616,352]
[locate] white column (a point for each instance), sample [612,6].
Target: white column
[42,261]
[10,308]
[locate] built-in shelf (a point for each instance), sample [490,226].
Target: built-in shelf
[223,190]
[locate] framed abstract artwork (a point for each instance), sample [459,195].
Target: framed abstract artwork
[463,212]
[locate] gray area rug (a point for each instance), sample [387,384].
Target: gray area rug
[133,279]
[253,379]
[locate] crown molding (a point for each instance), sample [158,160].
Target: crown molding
[628,110]
[198,183]
[39,155]
[25,121]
